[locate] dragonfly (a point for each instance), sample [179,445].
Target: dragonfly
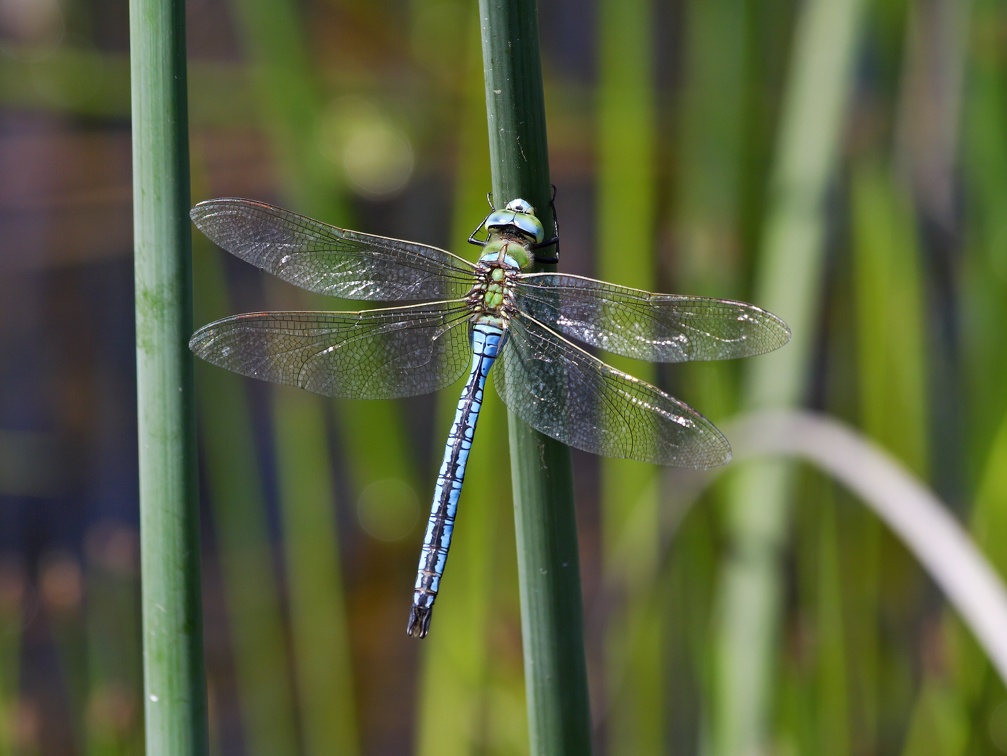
[452,317]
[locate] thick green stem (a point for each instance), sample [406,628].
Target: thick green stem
[515,106]
[175,693]
[551,607]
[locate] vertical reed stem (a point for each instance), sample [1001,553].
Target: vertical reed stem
[175,694]
[788,283]
[551,608]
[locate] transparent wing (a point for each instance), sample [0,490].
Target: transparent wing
[329,260]
[653,327]
[375,354]
[567,394]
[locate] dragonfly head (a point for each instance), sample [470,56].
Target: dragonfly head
[518,216]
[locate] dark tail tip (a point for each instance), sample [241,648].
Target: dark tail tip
[419,621]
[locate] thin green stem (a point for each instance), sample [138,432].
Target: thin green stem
[551,607]
[788,282]
[636,683]
[175,693]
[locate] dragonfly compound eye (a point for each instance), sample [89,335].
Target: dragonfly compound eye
[519,215]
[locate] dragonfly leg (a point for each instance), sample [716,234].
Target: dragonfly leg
[554,241]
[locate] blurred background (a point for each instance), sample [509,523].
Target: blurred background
[843,163]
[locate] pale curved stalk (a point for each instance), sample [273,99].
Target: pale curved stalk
[922,522]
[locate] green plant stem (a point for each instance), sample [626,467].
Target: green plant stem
[237,506]
[551,607]
[635,674]
[515,105]
[787,283]
[175,692]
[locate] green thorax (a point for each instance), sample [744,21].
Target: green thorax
[510,235]
[505,249]
[499,265]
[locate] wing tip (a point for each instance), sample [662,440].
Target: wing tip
[707,451]
[199,339]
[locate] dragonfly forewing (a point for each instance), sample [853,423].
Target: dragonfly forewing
[330,260]
[374,354]
[645,326]
[568,394]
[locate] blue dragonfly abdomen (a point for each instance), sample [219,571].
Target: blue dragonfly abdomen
[492,301]
[487,340]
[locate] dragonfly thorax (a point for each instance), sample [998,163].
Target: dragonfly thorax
[493,293]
